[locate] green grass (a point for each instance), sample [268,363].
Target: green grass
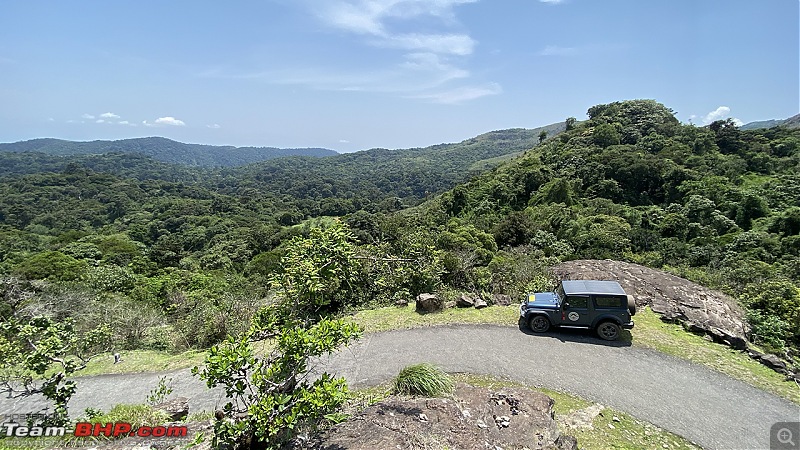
[425,380]
[397,318]
[136,361]
[650,332]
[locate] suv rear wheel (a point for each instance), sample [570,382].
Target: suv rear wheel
[539,323]
[608,331]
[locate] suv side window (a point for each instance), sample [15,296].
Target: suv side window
[576,302]
[605,301]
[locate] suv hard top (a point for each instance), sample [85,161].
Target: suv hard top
[591,304]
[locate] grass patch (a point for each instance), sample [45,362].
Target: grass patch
[404,317]
[424,380]
[136,361]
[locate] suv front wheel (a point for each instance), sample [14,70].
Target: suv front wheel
[539,323]
[608,331]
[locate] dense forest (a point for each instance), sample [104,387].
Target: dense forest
[165,150]
[192,251]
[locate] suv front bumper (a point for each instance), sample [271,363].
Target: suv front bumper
[628,325]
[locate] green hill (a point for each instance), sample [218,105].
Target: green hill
[791,122]
[165,150]
[716,204]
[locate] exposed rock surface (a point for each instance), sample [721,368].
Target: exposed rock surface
[177,408]
[480,303]
[429,303]
[674,298]
[475,419]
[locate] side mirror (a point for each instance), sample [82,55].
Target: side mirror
[565,306]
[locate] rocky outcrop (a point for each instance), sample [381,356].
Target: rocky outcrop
[700,309]
[176,409]
[474,419]
[427,303]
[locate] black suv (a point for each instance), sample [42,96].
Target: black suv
[591,304]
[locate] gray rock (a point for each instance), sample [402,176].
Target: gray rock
[480,303]
[774,362]
[429,303]
[501,299]
[395,422]
[466,301]
[177,408]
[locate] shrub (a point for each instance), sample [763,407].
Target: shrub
[424,380]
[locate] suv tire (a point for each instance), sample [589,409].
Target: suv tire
[539,323]
[608,331]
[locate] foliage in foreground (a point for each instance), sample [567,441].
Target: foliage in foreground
[273,397]
[425,380]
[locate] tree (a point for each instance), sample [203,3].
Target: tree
[271,398]
[542,136]
[570,123]
[38,354]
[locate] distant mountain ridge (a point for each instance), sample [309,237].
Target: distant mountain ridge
[791,122]
[165,150]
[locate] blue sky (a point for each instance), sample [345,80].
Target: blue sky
[357,74]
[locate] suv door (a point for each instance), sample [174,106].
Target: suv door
[576,311]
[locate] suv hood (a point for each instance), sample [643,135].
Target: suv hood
[542,300]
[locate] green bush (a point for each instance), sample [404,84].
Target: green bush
[425,380]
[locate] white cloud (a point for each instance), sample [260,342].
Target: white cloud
[344,141]
[462,94]
[87,116]
[213,126]
[555,50]
[722,112]
[552,2]
[109,115]
[169,121]
[454,44]
[716,114]
[99,121]
[125,122]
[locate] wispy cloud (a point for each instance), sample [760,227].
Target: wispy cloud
[433,48]
[555,50]
[214,126]
[109,115]
[462,94]
[552,2]
[87,116]
[721,112]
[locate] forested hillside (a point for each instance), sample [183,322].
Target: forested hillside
[166,150]
[715,204]
[192,251]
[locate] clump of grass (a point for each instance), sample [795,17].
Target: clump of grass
[424,380]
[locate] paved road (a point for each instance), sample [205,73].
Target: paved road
[704,406]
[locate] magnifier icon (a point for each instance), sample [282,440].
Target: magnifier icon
[785,436]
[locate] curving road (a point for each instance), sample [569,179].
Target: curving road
[704,406]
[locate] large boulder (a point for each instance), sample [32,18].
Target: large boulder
[475,419]
[427,303]
[675,299]
[466,300]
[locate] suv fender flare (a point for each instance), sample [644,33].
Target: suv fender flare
[606,318]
